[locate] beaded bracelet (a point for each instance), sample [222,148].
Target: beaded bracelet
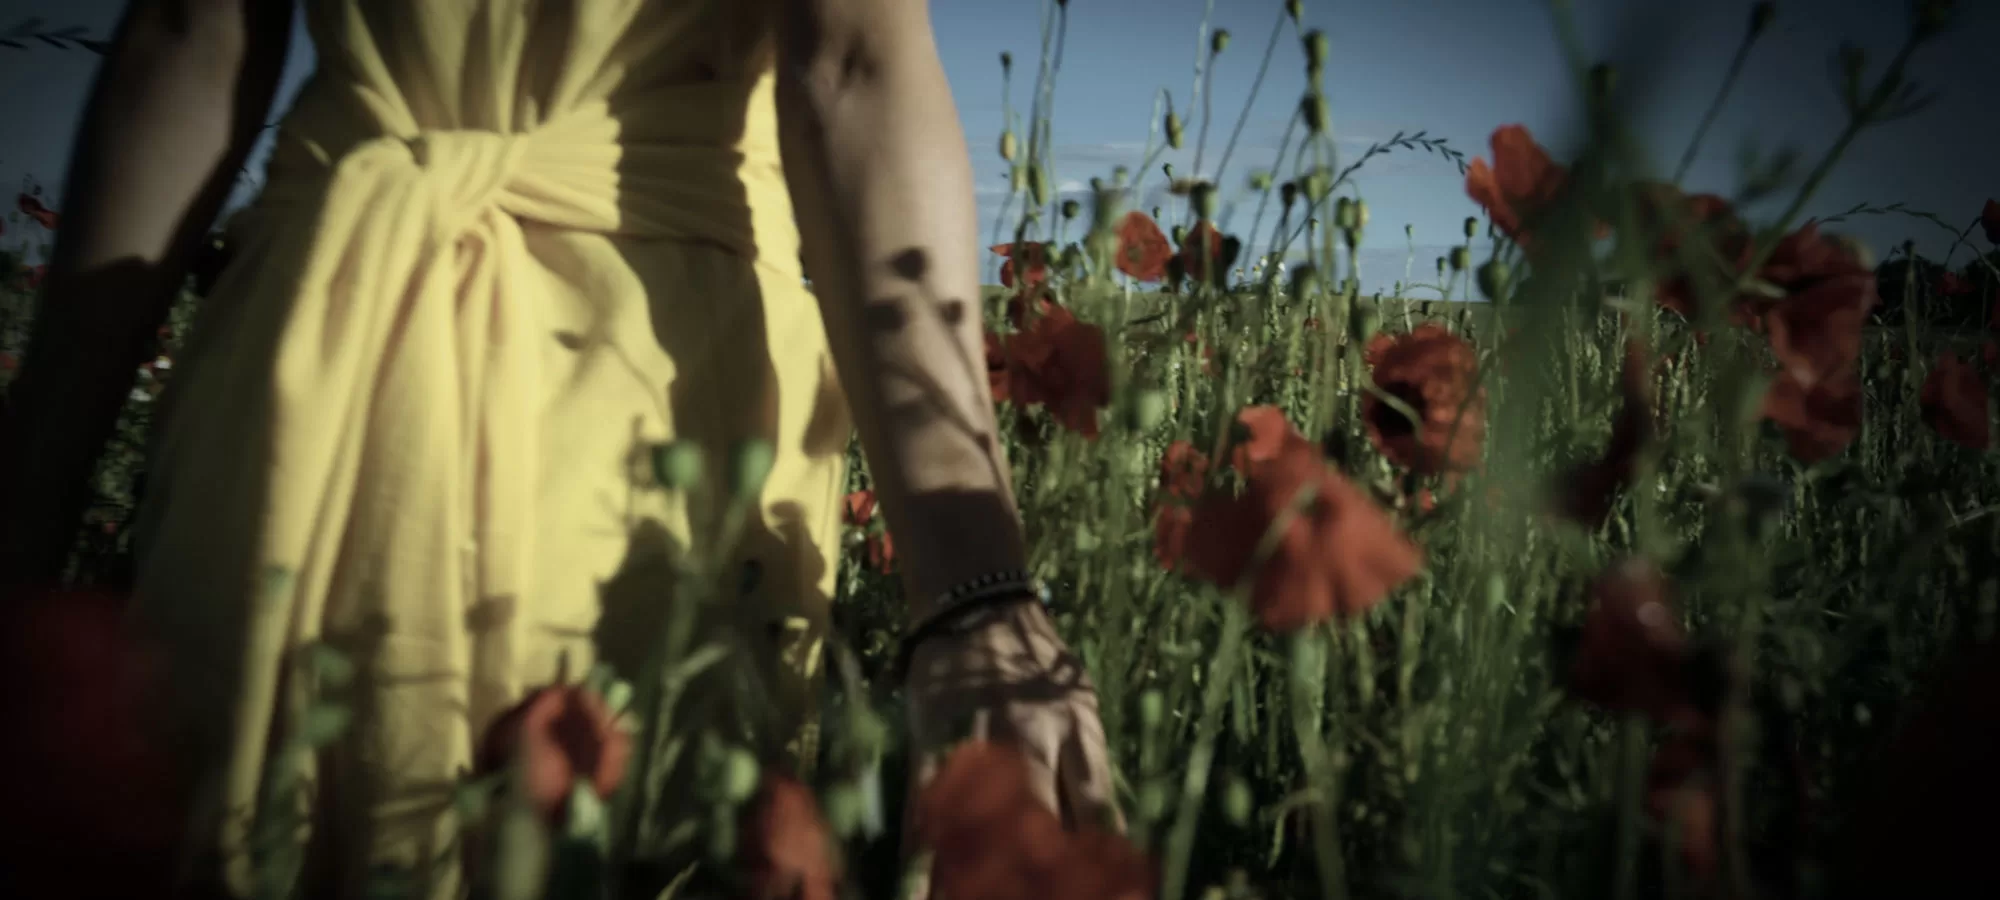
[951,612]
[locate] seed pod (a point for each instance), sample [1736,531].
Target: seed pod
[1260,180]
[1180,235]
[1317,49]
[1360,213]
[1156,214]
[1167,169]
[1202,198]
[1008,145]
[1461,259]
[750,467]
[1295,9]
[1006,62]
[1344,214]
[1493,277]
[1017,178]
[677,466]
[1441,266]
[1174,130]
[1038,184]
[1288,193]
[1070,208]
[1314,109]
[1761,16]
[1219,41]
[1471,227]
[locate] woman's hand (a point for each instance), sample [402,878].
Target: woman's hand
[1013,680]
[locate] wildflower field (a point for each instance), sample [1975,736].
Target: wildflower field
[1637,553]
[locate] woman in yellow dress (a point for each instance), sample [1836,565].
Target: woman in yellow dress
[506,248]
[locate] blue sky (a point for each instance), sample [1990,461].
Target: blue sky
[1454,69]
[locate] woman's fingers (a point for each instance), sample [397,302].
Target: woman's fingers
[1084,776]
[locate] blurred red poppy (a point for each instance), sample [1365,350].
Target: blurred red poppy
[1143,249]
[1585,492]
[785,848]
[560,734]
[859,513]
[1521,180]
[1633,655]
[1989,219]
[1954,403]
[1034,263]
[1818,420]
[991,838]
[1203,245]
[32,208]
[89,776]
[1434,372]
[1949,284]
[1183,477]
[1681,793]
[1059,362]
[1339,555]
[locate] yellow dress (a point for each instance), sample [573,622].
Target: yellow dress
[506,247]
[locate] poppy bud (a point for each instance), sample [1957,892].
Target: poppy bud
[1933,16]
[1493,279]
[1317,49]
[1471,227]
[750,467]
[1167,169]
[1461,259]
[1318,183]
[1006,62]
[1202,198]
[677,466]
[1236,801]
[1441,266]
[1008,145]
[1363,322]
[1361,213]
[1152,709]
[1146,409]
[1352,236]
[1288,193]
[1173,130]
[1761,16]
[1038,184]
[1313,108]
[1070,208]
[1017,178]
[1344,214]
[1156,214]
[1180,235]
[1295,9]
[1260,180]
[1219,41]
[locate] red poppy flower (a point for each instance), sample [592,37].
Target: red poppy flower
[1202,245]
[1819,420]
[1059,362]
[9,362]
[1681,789]
[1679,218]
[81,760]
[1338,556]
[1585,492]
[1954,401]
[1183,476]
[991,838]
[1434,372]
[560,734]
[1989,219]
[996,367]
[32,208]
[786,850]
[1949,284]
[859,512]
[1143,249]
[1034,259]
[1633,656]
[1520,182]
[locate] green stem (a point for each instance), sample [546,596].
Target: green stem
[1222,668]
[1715,106]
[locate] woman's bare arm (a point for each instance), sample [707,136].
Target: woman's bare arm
[883,187]
[180,98]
